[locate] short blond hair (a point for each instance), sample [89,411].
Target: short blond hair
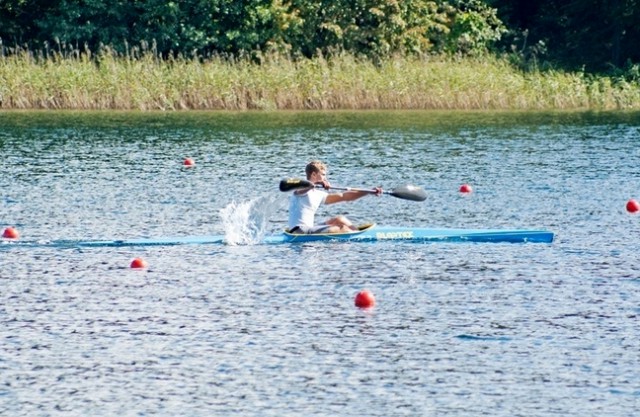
[314,166]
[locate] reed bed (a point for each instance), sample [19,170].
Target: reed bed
[146,82]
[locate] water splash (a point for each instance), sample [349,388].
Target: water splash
[247,223]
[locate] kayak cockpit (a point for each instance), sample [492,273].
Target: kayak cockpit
[301,237]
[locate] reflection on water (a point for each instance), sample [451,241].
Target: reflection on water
[254,330]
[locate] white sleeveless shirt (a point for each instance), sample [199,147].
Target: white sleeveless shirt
[303,207]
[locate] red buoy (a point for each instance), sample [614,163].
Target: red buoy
[633,206]
[189,162]
[365,299]
[10,233]
[139,263]
[465,188]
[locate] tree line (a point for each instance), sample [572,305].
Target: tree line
[591,35]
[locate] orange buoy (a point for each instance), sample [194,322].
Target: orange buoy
[139,263]
[633,206]
[10,233]
[189,162]
[365,299]
[465,188]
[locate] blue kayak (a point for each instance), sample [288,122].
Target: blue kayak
[369,233]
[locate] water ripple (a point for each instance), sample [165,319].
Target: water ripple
[254,330]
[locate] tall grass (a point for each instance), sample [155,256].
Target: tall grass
[146,82]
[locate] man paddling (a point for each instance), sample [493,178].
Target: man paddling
[304,204]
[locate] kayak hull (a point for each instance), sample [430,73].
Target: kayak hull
[371,234]
[417,235]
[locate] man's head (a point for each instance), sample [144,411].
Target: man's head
[316,167]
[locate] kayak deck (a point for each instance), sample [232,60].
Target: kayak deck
[418,235]
[371,233]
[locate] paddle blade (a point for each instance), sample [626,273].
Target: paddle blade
[409,192]
[290,184]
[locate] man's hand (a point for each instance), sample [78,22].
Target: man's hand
[325,184]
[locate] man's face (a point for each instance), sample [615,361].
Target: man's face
[319,176]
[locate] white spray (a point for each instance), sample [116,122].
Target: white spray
[247,223]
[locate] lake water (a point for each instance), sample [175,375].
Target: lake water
[261,330]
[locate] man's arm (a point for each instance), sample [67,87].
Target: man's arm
[345,196]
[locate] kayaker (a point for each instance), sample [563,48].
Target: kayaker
[304,204]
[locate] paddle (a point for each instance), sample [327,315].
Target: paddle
[405,192]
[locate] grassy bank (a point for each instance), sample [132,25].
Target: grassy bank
[148,83]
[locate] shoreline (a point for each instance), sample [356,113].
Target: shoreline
[344,82]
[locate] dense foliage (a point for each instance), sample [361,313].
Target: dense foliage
[374,28]
[600,35]
[593,34]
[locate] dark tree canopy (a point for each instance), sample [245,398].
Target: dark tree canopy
[596,35]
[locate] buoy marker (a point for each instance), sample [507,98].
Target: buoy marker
[139,263]
[633,206]
[365,299]
[189,162]
[10,233]
[466,189]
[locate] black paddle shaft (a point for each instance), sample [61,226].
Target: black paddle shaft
[404,192]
